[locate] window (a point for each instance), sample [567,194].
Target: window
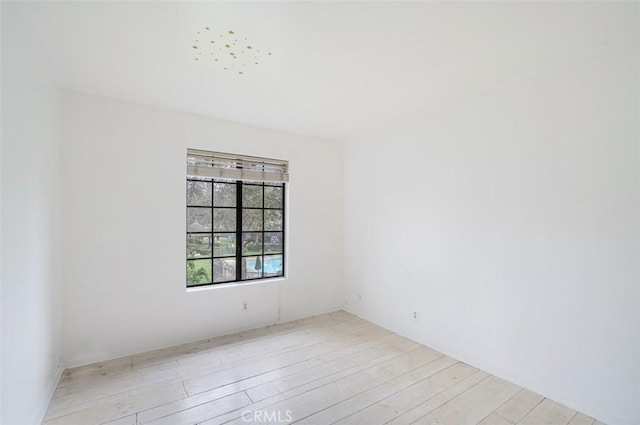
[235,218]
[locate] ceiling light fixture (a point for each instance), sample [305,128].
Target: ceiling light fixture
[229,50]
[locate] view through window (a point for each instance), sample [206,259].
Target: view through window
[235,230]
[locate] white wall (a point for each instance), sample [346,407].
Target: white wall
[124,229]
[511,224]
[30,228]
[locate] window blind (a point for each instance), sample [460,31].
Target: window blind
[219,165]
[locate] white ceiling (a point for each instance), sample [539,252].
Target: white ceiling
[335,69]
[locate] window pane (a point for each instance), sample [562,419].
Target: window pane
[273,197]
[272,220]
[198,194]
[212,242]
[224,244]
[273,243]
[251,267]
[224,219]
[251,220]
[224,269]
[251,196]
[198,219]
[272,265]
[198,272]
[224,195]
[198,246]
[251,243]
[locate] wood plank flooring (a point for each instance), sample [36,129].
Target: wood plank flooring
[330,369]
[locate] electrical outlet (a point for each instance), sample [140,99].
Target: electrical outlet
[415,315]
[245,306]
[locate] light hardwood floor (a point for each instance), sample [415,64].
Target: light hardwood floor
[329,369]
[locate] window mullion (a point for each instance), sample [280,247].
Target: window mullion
[263,257]
[284,219]
[239,230]
[213,242]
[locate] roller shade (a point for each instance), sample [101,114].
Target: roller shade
[219,165]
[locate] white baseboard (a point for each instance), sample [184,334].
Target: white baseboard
[536,387]
[44,404]
[102,357]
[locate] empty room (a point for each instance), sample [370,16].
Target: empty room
[320,212]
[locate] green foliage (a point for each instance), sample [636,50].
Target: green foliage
[198,246]
[221,196]
[251,196]
[224,219]
[198,272]
[198,193]
[224,245]
[272,220]
[224,195]
[273,197]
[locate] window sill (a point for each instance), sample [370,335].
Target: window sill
[235,284]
